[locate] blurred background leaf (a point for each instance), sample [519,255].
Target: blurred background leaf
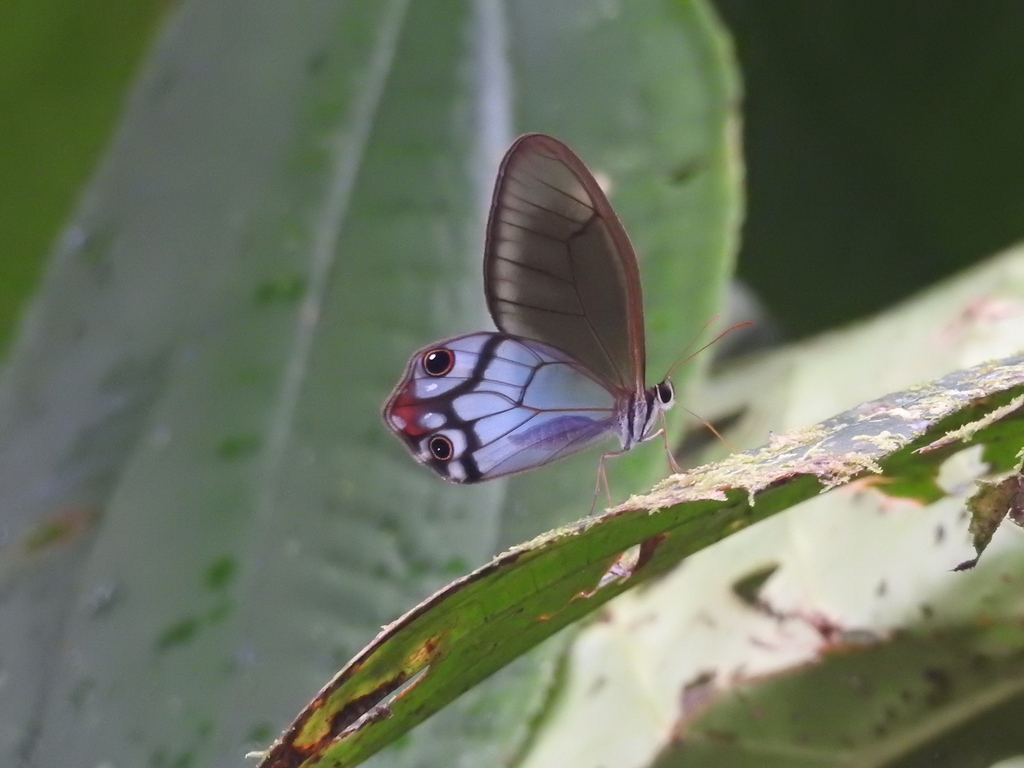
[64,68]
[203,514]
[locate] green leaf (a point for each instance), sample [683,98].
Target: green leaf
[465,632]
[204,516]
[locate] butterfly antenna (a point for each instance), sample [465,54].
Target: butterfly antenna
[685,358]
[711,427]
[692,355]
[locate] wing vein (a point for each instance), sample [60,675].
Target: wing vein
[538,270]
[515,303]
[545,235]
[544,208]
[557,189]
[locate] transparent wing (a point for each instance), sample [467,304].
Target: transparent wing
[504,406]
[559,267]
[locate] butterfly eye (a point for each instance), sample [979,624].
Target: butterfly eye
[438,362]
[665,393]
[441,447]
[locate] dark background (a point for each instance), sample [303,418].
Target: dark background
[884,148]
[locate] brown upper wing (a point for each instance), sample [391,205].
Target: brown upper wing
[559,267]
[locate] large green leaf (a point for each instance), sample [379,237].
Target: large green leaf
[204,516]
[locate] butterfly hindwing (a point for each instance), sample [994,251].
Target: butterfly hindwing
[503,405]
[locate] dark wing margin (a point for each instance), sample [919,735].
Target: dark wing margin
[558,265]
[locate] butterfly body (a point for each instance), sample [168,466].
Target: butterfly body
[566,368]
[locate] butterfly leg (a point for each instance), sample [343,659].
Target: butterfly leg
[668,451]
[602,479]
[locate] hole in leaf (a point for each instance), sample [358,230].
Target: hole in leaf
[957,474]
[627,563]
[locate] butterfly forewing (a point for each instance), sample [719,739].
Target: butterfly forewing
[503,405]
[558,266]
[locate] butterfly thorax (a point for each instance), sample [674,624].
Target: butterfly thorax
[638,420]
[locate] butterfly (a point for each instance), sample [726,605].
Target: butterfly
[566,368]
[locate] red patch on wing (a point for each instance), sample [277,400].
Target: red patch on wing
[406,408]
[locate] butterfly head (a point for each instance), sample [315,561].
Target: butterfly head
[657,399]
[666,394]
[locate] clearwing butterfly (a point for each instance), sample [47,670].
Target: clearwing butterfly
[567,365]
